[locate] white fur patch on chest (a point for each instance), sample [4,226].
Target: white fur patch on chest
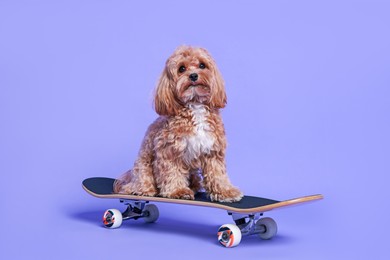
[202,141]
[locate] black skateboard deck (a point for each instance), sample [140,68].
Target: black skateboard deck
[103,188]
[246,213]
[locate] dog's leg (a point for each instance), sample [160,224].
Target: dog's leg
[138,181]
[142,181]
[196,180]
[172,179]
[216,181]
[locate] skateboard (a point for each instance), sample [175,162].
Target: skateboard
[247,213]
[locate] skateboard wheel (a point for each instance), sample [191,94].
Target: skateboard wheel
[112,218]
[267,228]
[229,235]
[150,213]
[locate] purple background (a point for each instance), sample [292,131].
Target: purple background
[308,86]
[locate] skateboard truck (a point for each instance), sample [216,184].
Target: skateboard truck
[139,209]
[247,224]
[134,209]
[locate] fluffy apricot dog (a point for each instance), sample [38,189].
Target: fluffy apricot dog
[183,151]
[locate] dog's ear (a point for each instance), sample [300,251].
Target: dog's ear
[165,102]
[218,98]
[218,93]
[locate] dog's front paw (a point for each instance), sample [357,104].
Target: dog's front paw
[231,194]
[183,193]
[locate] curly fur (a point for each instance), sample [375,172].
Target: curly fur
[184,148]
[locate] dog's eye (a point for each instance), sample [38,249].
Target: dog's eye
[202,66]
[182,69]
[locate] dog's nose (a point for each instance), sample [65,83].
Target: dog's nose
[194,77]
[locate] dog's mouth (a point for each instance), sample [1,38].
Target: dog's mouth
[198,93]
[198,100]
[197,85]
[198,89]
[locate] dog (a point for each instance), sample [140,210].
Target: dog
[183,150]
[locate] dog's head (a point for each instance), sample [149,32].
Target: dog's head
[190,76]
